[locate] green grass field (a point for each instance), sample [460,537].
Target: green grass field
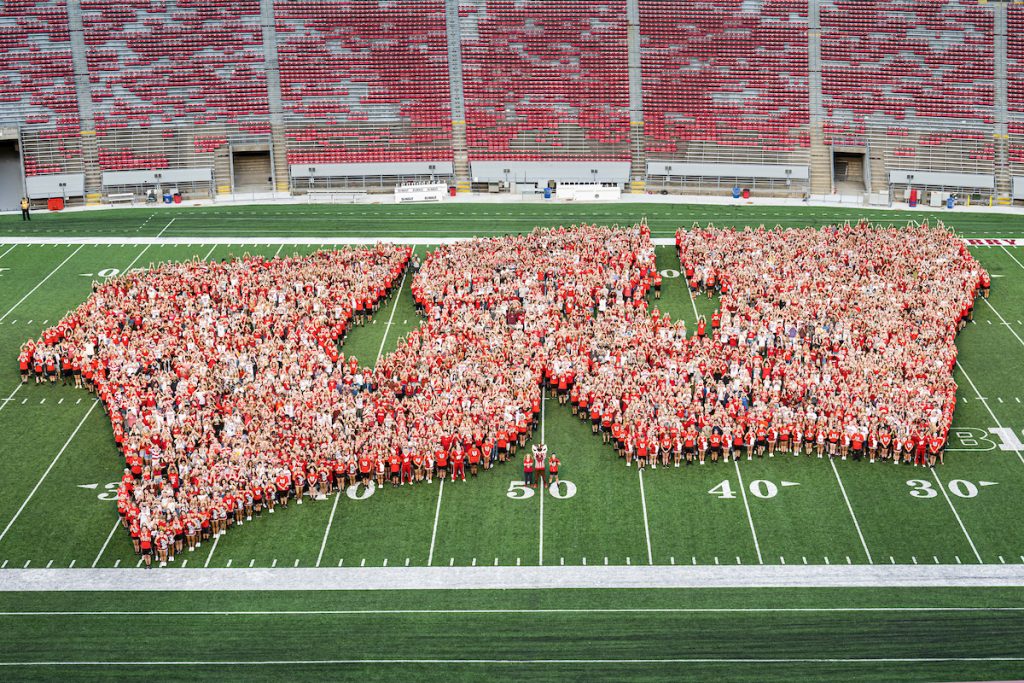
[59,459]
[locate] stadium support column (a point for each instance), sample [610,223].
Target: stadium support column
[821,154]
[83,93]
[278,140]
[1001,134]
[460,153]
[637,148]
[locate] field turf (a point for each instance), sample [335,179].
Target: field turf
[59,462]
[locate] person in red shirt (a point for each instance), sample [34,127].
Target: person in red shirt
[528,471]
[459,465]
[936,446]
[553,466]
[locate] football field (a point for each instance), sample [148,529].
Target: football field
[60,468]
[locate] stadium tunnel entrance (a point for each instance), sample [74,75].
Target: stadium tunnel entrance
[850,171]
[251,169]
[11,185]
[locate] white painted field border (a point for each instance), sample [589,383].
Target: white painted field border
[506,610]
[512,662]
[52,463]
[41,282]
[380,351]
[984,402]
[963,528]
[850,508]
[516,577]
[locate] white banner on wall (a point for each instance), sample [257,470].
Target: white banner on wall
[433,192]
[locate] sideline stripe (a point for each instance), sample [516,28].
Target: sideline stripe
[54,462]
[513,577]
[509,610]
[59,266]
[528,662]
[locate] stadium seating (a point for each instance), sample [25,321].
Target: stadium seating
[37,78]
[720,72]
[545,80]
[364,82]
[915,59]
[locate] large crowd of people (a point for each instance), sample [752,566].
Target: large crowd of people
[229,396]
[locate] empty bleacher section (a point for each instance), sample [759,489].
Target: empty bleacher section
[112,97]
[725,83]
[545,81]
[363,82]
[37,89]
[910,85]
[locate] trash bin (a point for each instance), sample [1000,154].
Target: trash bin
[55,204]
[547,193]
[746,193]
[950,202]
[168,198]
[177,198]
[736,192]
[913,198]
[451,191]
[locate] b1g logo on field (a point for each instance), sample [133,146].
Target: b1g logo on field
[975,439]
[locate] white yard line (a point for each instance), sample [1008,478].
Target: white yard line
[1008,253]
[647,528]
[41,282]
[437,515]
[985,403]
[10,397]
[540,550]
[216,540]
[510,662]
[207,257]
[852,515]
[517,577]
[117,523]
[1003,320]
[161,233]
[510,610]
[9,250]
[136,259]
[750,518]
[54,462]
[957,515]
[380,351]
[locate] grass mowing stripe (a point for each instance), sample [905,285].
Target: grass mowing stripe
[984,402]
[521,662]
[957,515]
[52,463]
[59,266]
[850,508]
[510,610]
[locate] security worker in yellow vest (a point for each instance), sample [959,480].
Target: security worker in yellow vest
[25,215]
